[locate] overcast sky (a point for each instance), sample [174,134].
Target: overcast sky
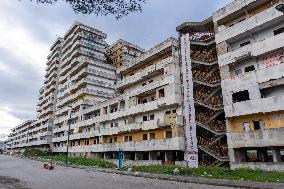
[27,30]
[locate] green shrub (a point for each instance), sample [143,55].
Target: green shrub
[80,161]
[34,153]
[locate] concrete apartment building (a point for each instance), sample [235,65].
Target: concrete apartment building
[211,98]
[143,119]
[122,52]
[85,79]
[249,37]
[207,112]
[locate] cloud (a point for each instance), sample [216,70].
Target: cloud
[28,29]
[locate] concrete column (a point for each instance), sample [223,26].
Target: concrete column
[225,72]
[276,155]
[135,156]
[262,155]
[237,155]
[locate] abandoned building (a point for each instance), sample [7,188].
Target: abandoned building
[249,37]
[209,116]
[214,97]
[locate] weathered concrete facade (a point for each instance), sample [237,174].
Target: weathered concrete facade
[207,94]
[249,36]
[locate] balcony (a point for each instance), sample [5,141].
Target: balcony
[152,52]
[85,91]
[145,73]
[150,106]
[248,25]
[258,138]
[92,82]
[147,145]
[259,76]
[262,105]
[252,50]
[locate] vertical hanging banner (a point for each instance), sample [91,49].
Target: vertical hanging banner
[191,152]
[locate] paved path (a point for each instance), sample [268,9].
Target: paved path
[16,173]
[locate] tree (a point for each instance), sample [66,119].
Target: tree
[117,8]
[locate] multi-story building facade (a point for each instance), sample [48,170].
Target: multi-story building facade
[206,112]
[18,139]
[144,119]
[214,96]
[249,36]
[85,78]
[122,52]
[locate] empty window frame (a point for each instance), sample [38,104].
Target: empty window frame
[152,136]
[258,125]
[244,43]
[161,93]
[240,96]
[169,134]
[145,118]
[152,117]
[278,31]
[249,68]
[145,136]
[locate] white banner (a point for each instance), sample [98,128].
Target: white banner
[191,153]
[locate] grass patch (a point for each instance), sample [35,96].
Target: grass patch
[33,153]
[80,161]
[216,172]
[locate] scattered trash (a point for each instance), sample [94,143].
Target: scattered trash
[129,169]
[176,171]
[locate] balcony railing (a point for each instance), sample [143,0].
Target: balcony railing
[257,138]
[149,145]
[248,25]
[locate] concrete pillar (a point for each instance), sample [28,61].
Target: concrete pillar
[262,155]
[237,155]
[225,72]
[135,156]
[276,155]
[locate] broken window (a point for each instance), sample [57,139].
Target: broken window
[278,31]
[122,104]
[258,125]
[249,68]
[110,140]
[145,136]
[152,136]
[144,101]
[145,118]
[161,93]
[152,98]
[125,138]
[169,134]
[130,138]
[115,139]
[111,124]
[240,96]
[245,43]
[152,117]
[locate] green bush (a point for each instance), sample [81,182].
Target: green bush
[216,172]
[80,161]
[34,153]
